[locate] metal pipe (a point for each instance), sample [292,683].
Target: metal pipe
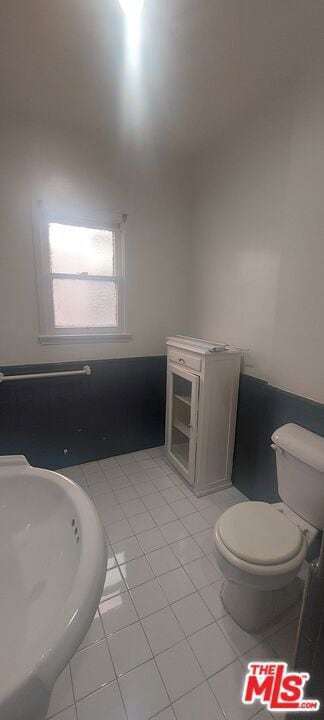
[86,370]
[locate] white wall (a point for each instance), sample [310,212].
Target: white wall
[297,362]
[259,240]
[52,164]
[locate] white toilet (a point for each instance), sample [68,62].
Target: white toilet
[260,547]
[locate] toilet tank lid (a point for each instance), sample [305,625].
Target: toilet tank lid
[302,444]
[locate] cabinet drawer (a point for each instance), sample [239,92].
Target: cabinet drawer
[184,359]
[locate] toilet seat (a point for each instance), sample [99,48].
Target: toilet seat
[237,536]
[259,534]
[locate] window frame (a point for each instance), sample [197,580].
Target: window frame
[43,215]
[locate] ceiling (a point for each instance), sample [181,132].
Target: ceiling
[202,64]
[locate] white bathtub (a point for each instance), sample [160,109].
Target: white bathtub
[52,569]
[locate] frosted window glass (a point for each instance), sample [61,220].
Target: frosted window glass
[76,249]
[85,303]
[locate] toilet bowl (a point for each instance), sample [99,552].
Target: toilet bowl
[260,547]
[259,552]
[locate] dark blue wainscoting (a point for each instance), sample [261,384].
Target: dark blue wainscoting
[120,408]
[261,409]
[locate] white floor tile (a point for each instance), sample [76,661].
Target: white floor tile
[142,522]
[167,714]
[62,695]
[110,514]
[95,632]
[93,478]
[143,692]
[176,585]
[145,488]
[157,452]
[91,669]
[263,651]
[212,649]
[148,464]
[155,473]
[211,595]
[186,550]
[163,483]
[163,514]
[174,531]
[114,471]
[99,489]
[227,687]
[179,670]
[283,642]
[133,507]
[211,515]
[151,540]
[136,572]
[183,507]
[126,494]
[172,494]
[195,523]
[148,598]
[141,455]
[129,648]
[199,703]
[202,572]
[108,463]
[90,467]
[201,503]
[162,630]
[192,613]
[114,584]
[103,704]
[119,530]
[205,540]
[69,714]
[240,640]
[126,550]
[111,560]
[118,482]
[127,459]
[138,477]
[162,560]
[212,558]
[155,500]
[105,501]
[117,613]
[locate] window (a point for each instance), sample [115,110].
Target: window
[80,276]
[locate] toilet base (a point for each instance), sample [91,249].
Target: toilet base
[254,609]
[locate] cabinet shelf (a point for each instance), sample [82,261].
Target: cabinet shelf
[184,398]
[182,428]
[181,452]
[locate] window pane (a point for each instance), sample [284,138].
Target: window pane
[85,303]
[76,249]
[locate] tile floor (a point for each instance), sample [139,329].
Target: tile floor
[161,644]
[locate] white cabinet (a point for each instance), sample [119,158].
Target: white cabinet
[202,389]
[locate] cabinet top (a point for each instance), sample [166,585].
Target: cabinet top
[203,347]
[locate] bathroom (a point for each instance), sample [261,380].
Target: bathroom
[191,134]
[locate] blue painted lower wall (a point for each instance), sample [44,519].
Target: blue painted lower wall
[120,408]
[261,409]
[57,422]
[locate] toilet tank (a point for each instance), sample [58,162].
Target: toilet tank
[300,471]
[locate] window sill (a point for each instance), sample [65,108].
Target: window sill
[80,339]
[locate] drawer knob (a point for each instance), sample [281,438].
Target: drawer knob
[182,361]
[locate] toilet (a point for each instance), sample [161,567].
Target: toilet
[261,547]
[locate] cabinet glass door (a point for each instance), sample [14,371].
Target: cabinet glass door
[182,420]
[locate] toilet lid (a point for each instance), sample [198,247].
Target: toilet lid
[259,534]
